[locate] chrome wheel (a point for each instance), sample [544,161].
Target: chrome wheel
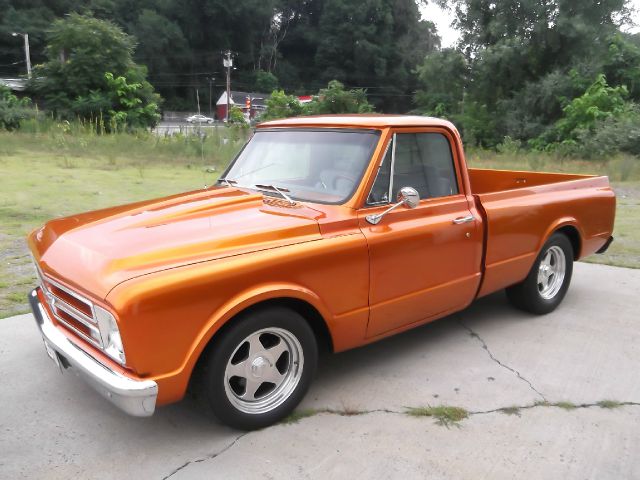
[263,370]
[551,272]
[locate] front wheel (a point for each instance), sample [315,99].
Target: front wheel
[261,368]
[547,283]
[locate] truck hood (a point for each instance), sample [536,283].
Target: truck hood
[93,252]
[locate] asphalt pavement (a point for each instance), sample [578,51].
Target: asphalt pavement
[556,396]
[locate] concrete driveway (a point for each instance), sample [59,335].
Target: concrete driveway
[533,388]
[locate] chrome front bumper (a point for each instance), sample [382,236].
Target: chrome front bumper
[136,397]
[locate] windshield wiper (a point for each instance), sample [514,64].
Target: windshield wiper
[273,188]
[229,182]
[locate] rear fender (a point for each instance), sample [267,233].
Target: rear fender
[557,225]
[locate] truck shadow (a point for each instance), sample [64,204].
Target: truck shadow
[487,311]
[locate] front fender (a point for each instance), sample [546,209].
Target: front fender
[168,318]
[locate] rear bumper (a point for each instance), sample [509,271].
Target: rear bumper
[604,247]
[135,397]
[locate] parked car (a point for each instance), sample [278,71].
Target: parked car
[200,119]
[324,233]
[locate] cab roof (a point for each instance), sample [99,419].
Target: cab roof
[359,121]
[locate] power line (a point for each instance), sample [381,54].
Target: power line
[11,64]
[167,74]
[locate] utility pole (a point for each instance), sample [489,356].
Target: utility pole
[211,82]
[27,54]
[227,62]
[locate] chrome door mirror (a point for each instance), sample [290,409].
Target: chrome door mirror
[407,196]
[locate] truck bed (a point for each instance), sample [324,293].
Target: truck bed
[521,210]
[491,181]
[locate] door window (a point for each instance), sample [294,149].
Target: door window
[419,160]
[424,161]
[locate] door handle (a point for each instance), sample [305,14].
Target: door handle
[461,220]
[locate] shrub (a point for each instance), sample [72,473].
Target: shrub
[13,110]
[281,105]
[335,99]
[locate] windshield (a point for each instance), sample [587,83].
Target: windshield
[323,166]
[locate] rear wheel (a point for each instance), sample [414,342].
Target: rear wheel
[261,368]
[547,283]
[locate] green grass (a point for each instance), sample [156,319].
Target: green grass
[565,405]
[45,177]
[609,404]
[298,415]
[625,250]
[444,415]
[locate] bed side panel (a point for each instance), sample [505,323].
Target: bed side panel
[520,221]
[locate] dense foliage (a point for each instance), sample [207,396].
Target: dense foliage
[545,73]
[89,73]
[333,99]
[13,109]
[296,45]
[548,75]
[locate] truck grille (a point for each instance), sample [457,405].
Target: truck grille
[72,311]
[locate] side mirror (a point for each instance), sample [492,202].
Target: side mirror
[407,196]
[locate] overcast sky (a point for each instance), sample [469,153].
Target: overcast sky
[444,18]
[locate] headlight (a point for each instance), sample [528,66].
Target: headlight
[111,341]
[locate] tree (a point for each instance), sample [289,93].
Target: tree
[375,44]
[335,99]
[442,79]
[74,81]
[281,105]
[598,103]
[265,81]
[331,100]
[526,60]
[127,104]
[163,49]
[236,117]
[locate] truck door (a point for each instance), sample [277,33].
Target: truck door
[424,262]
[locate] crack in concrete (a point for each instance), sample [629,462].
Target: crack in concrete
[515,408]
[208,457]
[530,406]
[352,413]
[503,365]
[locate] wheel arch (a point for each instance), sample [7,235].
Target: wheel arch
[306,310]
[570,228]
[299,300]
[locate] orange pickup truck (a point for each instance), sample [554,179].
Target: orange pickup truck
[324,233]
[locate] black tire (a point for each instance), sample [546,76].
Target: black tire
[532,296]
[223,394]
